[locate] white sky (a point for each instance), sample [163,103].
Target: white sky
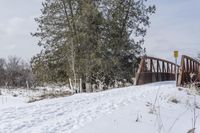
[175,26]
[16,24]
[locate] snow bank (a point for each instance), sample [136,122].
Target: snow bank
[141,109]
[38,93]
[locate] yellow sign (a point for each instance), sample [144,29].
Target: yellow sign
[175,54]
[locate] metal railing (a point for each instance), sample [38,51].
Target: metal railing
[153,69]
[189,71]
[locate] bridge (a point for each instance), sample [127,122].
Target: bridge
[153,69]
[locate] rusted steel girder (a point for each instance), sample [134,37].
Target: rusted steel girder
[189,71]
[153,69]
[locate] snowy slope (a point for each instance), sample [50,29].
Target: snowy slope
[9,101]
[141,109]
[24,95]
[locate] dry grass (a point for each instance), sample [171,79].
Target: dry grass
[49,96]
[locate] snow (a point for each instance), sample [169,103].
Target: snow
[27,95]
[141,109]
[9,101]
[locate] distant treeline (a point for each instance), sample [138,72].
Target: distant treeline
[15,72]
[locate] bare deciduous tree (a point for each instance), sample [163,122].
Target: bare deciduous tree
[15,72]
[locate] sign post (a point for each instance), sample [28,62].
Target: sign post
[176,57]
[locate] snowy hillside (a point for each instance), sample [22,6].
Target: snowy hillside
[152,108]
[31,95]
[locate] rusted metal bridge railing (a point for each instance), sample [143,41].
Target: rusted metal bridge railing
[189,71]
[154,69]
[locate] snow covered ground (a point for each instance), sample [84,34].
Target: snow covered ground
[28,95]
[152,108]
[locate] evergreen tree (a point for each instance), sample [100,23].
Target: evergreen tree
[96,40]
[126,26]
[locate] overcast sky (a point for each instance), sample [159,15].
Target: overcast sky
[16,24]
[175,26]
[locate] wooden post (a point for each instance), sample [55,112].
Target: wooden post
[70,85]
[27,84]
[81,90]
